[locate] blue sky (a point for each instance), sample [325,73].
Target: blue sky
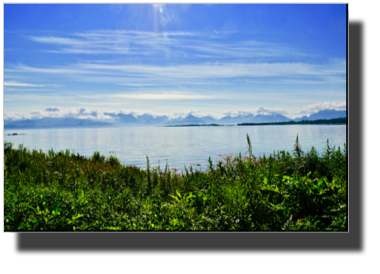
[83,60]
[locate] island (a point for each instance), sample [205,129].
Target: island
[199,125]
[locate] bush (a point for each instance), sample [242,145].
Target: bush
[7,147]
[113,161]
[97,157]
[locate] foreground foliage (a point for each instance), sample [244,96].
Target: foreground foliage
[63,191]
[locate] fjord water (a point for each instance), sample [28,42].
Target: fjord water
[179,145]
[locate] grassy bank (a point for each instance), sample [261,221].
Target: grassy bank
[61,191]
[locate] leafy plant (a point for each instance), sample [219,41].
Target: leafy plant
[61,191]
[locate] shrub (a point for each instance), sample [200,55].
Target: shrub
[113,161]
[97,157]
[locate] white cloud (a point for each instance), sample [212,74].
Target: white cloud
[56,40]
[100,103]
[185,113]
[14,116]
[83,113]
[80,113]
[255,111]
[322,106]
[16,84]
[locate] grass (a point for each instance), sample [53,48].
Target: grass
[63,191]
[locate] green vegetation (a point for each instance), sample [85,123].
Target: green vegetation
[63,191]
[337,121]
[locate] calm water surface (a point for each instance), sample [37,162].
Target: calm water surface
[179,145]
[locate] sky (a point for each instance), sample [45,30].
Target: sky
[82,60]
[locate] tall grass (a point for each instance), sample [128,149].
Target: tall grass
[61,191]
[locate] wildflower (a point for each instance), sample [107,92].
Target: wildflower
[106,181]
[298,151]
[77,169]
[100,170]
[104,173]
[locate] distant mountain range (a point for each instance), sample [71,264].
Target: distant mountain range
[148,120]
[54,123]
[323,115]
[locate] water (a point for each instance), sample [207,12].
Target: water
[179,145]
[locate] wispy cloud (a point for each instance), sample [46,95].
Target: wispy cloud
[37,98]
[260,110]
[57,40]
[100,103]
[334,72]
[178,58]
[23,89]
[185,44]
[16,84]
[151,96]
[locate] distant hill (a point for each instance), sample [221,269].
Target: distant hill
[250,118]
[336,121]
[9,121]
[245,118]
[190,119]
[161,119]
[209,119]
[228,120]
[270,118]
[324,115]
[127,119]
[146,119]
